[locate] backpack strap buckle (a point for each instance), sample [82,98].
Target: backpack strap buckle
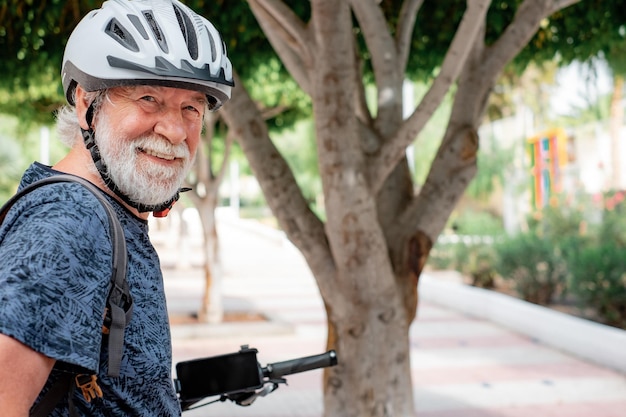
[88,385]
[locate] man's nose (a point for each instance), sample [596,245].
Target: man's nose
[170,124]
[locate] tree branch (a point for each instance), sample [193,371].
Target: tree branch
[518,33]
[270,112]
[450,173]
[288,36]
[404,31]
[360,107]
[276,179]
[374,28]
[382,51]
[394,150]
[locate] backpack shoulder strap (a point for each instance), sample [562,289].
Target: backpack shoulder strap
[119,301]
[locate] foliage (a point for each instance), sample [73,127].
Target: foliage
[539,261]
[534,265]
[591,28]
[482,266]
[557,221]
[598,265]
[297,145]
[10,166]
[475,260]
[33,37]
[19,146]
[282,100]
[443,256]
[476,223]
[468,247]
[584,255]
[427,142]
[599,280]
[588,29]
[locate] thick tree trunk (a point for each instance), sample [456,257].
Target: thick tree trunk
[373,377]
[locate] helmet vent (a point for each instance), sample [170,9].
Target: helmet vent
[154,26]
[189,33]
[137,23]
[118,32]
[213,49]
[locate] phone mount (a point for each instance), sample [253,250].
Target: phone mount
[238,377]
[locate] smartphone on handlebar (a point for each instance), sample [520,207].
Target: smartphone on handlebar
[218,375]
[238,377]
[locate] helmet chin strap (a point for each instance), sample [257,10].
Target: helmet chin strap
[158,210]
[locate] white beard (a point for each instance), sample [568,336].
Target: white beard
[141,180]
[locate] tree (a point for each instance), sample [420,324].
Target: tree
[369,253]
[204,182]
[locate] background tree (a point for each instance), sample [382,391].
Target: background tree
[278,108]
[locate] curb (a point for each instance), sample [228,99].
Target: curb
[598,343]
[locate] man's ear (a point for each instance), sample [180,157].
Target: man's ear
[81,107]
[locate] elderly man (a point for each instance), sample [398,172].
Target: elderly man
[138,76]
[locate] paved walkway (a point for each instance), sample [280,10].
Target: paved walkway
[462,366]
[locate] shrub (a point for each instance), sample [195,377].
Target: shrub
[599,281]
[479,264]
[535,266]
[474,260]
[442,256]
[598,265]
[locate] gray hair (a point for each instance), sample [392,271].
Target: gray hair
[68,127]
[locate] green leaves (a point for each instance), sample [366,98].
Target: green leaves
[33,35]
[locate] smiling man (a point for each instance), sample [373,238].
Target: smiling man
[138,76]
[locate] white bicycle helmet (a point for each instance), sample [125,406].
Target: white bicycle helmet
[154,42]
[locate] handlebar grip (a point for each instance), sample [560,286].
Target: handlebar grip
[294,366]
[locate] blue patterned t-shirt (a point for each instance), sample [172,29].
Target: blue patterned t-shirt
[55,268]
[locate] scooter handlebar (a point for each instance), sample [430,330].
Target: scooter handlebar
[294,366]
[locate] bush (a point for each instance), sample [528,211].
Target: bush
[598,265]
[535,266]
[575,249]
[475,260]
[479,264]
[462,247]
[599,281]
[442,256]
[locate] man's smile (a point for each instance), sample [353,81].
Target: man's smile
[156,154]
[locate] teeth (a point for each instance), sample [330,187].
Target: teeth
[159,155]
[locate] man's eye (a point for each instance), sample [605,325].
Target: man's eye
[148,98]
[192,112]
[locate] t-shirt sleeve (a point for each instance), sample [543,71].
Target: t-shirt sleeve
[55,268]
